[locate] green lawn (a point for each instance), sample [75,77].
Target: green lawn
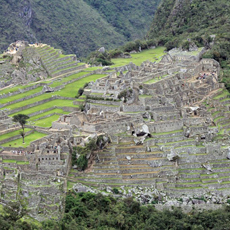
[70,185]
[21,95]
[9,161]
[48,112]
[29,101]
[93,68]
[104,105]
[154,80]
[16,162]
[11,134]
[28,139]
[23,162]
[145,96]
[171,132]
[69,90]
[50,104]
[223,94]
[151,55]
[74,76]
[13,89]
[46,122]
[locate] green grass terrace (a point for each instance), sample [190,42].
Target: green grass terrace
[70,90]
[28,139]
[153,55]
[11,134]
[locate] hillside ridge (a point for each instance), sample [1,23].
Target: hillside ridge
[77,27]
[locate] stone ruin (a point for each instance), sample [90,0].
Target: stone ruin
[40,178]
[164,140]
[13,69]
[164,137]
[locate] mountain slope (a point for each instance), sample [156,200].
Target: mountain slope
[177,16]
[199,20]
[130,18]
[76,26]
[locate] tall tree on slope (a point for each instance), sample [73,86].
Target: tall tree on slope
[21,119]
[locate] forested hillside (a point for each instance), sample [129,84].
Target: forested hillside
[175,21]
[76,26]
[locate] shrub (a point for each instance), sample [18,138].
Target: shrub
[185,45]
[115,191]
[82,162]
[115,53]
[82,107]
[80,91]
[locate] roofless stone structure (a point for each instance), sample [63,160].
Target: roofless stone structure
[167,128]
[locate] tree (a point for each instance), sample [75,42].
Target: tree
[21,119]
[14,211]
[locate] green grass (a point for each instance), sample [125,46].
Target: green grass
[218,118]
[74,76]
[69,90]
[145,96]
[28,139]
[16,162]
[93,68]
[46,122]
[194,53]
[21,95]
[23,162]
[154,80]
[31,220]
[60,70]
[104,105]
[29,101]
[13,89]
[1,209]
[11,134]
[223,94]
[50,104]
[47,113]
[70,185]
[213,114]
[9,161]
[225,99]
[172,132]
[151,55]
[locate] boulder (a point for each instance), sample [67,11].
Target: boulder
[128,158]
[47,89]
[172,156]
[102,50]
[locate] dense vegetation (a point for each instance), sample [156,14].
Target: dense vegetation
[95,211]
[176,21]
[124,16]
[76,26]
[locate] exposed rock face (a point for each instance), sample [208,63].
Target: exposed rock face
[22,65]
[102,50]
[47,89]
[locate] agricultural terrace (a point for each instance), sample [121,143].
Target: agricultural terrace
[45,108]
